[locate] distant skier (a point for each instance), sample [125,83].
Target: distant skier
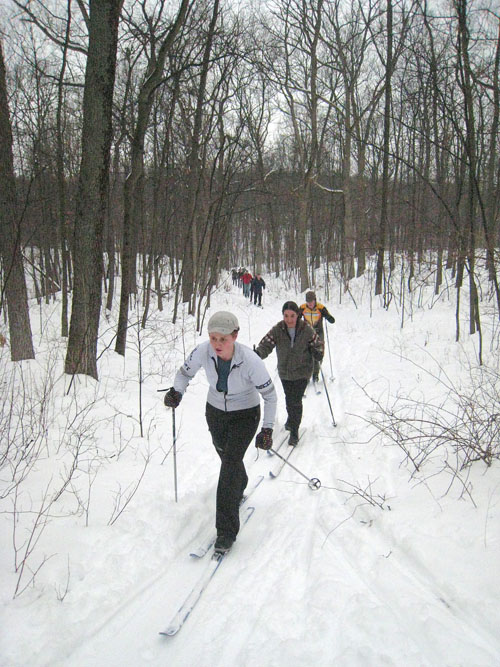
[236,377]
[241,271]
[297,345]
[246,280]
[313,313]
[258,285]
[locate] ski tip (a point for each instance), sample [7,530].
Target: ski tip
[169,632]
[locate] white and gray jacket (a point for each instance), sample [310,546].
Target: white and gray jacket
[247,379]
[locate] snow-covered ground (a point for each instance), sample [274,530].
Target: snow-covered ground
[384,565]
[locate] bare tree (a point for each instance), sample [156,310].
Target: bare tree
[348,36]
[93,187]
[389,66]
[132,200]
[61,182]
[190,259]
[297,29]
[14,283]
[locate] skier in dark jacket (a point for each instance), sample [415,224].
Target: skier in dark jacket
[314,313]
[237,379]
[297,346]
[257,286]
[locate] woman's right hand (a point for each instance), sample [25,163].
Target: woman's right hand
[172,398]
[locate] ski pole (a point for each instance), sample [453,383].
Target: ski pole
[329,353]
[328,397]
[313,482]
[174,438]
[174,448]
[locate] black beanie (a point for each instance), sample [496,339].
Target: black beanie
[290,305]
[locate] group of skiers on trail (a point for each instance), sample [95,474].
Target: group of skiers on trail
[252,286]
[237,379]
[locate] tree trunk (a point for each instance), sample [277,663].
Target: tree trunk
[465,79]
[61,185]
[385,161]
[14,286]
[81,356]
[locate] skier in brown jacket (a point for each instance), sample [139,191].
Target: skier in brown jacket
[297,346]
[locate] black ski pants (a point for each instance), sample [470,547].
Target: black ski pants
[294,392]
[231,433]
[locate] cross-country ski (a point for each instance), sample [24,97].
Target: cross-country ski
[196,592]
[207,542]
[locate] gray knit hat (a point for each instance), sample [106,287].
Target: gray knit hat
[223,323]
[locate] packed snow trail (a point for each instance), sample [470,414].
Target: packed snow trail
[302,593]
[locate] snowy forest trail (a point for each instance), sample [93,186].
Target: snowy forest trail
[321,584]
[363,572]
[320,587]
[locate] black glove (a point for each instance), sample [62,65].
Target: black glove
[255,350]
[172,398]
[317,355]
[264,439]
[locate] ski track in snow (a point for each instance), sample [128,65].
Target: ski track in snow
[395,576]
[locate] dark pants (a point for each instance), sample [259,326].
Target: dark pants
[257,296]
[294,392]
[231,433]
